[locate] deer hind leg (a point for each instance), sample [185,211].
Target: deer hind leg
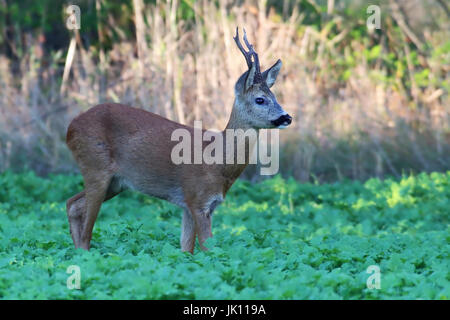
[76,210]
[187,240]
[95,193]
[94,158]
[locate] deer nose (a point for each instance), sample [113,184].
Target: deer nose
[283,120]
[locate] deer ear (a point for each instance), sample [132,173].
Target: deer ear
[270,75]
[250,77]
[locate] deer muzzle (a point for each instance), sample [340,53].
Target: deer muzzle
[283,121]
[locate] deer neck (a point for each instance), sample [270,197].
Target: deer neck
[231,171]
[236,120]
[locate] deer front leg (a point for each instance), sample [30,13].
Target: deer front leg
[187,240]
[202,224]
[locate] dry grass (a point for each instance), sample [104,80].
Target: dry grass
[357,128]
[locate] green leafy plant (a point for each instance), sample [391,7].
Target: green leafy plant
[274,240]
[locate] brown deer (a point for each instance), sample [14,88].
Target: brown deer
[119,147]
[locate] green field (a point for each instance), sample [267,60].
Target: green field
[274,240]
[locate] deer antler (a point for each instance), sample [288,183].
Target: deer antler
[248,55]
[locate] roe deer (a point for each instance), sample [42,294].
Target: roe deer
[119,147]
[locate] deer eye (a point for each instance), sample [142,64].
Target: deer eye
[259,100]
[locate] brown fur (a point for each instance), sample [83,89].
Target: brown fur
[116,141]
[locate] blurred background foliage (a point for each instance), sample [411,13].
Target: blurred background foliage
[366,103]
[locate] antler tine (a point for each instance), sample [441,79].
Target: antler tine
[249,46]
[252,52]
[247,55]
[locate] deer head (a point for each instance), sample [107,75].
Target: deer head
[255,105]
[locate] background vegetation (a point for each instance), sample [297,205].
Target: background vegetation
[278,239]
[365,103]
